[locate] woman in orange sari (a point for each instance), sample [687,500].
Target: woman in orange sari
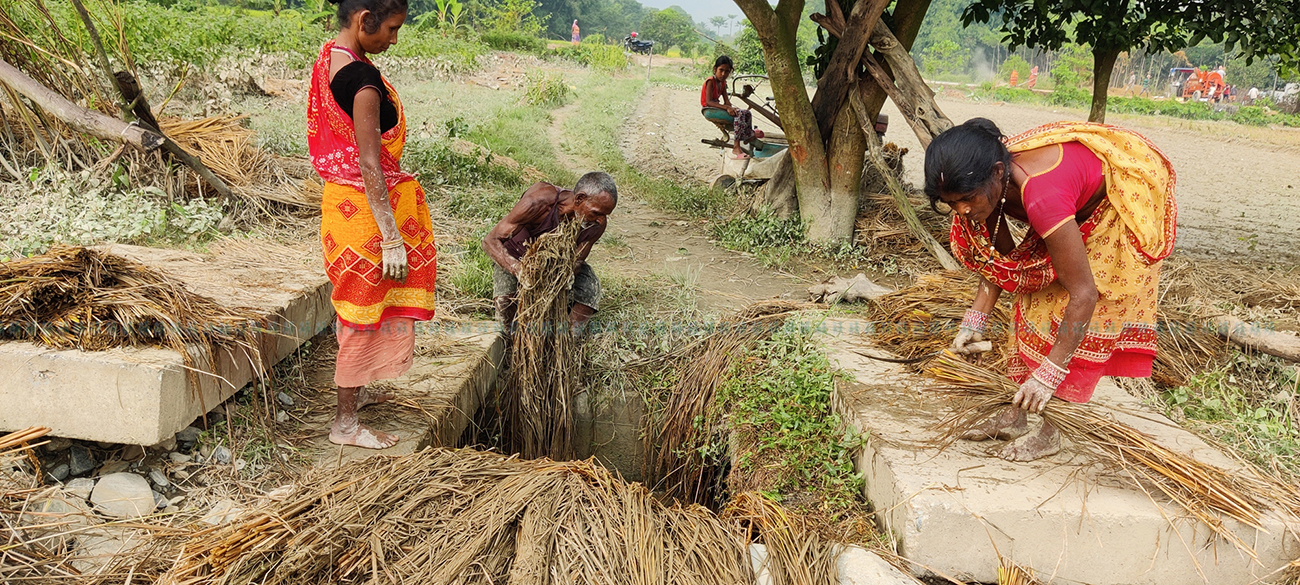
[376,232]
[1099,201]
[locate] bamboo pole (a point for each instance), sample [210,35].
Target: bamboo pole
[875,153]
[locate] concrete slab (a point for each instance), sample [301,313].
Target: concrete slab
[1065,516]
[455,368]
[143,396]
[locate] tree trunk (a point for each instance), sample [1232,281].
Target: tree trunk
[1103,62]
[907,16]
[78,118]
[847,146]
[776,31]
[841,72]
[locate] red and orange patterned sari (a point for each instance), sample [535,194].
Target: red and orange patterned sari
[1126,238]
[349,235]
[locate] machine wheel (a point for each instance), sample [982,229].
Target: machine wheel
[723,183]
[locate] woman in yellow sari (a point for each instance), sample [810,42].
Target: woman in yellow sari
[376,232]
[1099,201]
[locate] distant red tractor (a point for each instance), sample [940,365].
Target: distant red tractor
[1192,83]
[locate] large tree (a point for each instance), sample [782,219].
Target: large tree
[1111,27]
[827,145]
[670,27]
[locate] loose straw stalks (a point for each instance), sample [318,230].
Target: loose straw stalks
[542,359]
[796,554]
[461,516]
[1011,573]
[923,319]
[1203,490]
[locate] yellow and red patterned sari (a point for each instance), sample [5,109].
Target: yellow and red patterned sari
[349,235]
[1126,238]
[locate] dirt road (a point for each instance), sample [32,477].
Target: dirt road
[642,241]
[1238,197]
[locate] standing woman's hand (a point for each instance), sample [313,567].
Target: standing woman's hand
[365,116]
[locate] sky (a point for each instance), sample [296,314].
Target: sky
[700,10]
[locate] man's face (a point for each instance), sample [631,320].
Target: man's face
[593,209]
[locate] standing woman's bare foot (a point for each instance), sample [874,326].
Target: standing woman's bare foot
[358,435]
[1012,423]
[1047,441]
[347,429]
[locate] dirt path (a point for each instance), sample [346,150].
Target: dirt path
[1238,197]
[642,241]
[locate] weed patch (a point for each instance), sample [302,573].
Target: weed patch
[1251,404]
[790,443]
[1077,98]
[60,207]
[545,89]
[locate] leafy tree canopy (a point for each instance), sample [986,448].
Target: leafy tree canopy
[612,18]
[670,27]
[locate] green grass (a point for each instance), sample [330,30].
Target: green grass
[791,442]
[1252,404]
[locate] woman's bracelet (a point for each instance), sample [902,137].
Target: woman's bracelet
[1050,374]
[974,320]
[393,245]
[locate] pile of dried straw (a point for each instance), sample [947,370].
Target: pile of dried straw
[462,516]
[73,297]
[543,364]
[228,148]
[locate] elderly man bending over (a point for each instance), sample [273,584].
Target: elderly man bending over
[543,208]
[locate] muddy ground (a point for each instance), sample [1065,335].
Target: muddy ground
[1238,187]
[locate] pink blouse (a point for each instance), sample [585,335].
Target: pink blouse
[1056,195]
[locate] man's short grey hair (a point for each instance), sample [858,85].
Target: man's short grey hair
[595,183]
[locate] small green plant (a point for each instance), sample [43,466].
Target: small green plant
[545,89]
[778,400]
[753,233]
[1251,404]
[473,278]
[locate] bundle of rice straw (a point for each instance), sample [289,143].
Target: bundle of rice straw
[796,554]
[74,297]
[923,319]
[1203,490]
[543,367]
[1186,346]
[1011,573]
[228,148]
[460,516]
[674,462]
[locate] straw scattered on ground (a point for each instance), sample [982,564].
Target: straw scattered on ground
[543,364]
[229,149]
[462,516]
[1205,491]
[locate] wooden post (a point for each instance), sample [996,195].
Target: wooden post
[1250,335]
[875,153]
[131,94]
[78,118]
